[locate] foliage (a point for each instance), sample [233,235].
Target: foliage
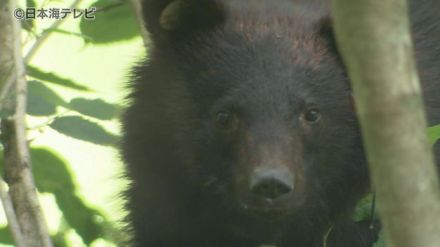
[52,175]
[80,118]
[364,209]
[434,134]
[53,78]
[114,22]
[83,129]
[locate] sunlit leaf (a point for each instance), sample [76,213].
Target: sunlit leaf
[434,134]
[53,176]
[86,221]
[54,78]
[42,101]
[59,240]
[96,108]
[114,21]
[83,129]
[51,172]
[31,4]
[61,31]
[5,236]
[37,106]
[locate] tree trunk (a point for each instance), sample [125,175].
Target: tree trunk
[375,42]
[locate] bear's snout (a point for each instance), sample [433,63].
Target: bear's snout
[271,183]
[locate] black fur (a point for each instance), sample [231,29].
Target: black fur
[266,61]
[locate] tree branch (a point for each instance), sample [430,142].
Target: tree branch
[17,163]
[375,42]
[45,35]
[13,225]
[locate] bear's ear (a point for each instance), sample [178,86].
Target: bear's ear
[165,18]
[326,32]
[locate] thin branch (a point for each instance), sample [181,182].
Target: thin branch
[45,35]
[137,8]
[10,215]
[109,7]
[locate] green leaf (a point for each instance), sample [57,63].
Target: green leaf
[37,106]
[82,129]
[6,113]
[1,163]
[53,78]
[96,108]
[363,209]
[59,240]
[53,176]
[42,101]
[40,89]
[86,221]
[29,24]
[5,236]
[61,31]
[434,134]
[381,241]
[51,172]
[114,21]
[30,4]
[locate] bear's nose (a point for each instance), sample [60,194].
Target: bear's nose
[271,183]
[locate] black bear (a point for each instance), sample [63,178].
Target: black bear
[240,130]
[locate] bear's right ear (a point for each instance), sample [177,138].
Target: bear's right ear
[178,18]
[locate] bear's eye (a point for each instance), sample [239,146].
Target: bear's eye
[226,120]
[312,115]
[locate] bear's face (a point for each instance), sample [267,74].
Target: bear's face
[265,115]
[272,129]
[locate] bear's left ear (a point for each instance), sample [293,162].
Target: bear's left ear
[326,32]
[178,18]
